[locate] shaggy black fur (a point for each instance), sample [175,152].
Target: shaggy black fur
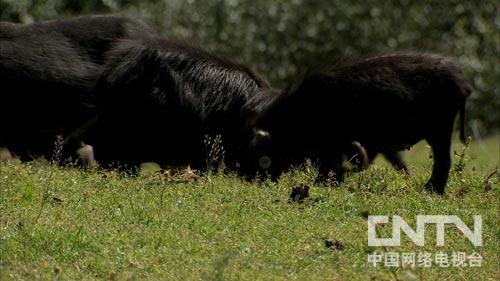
[387,103]
[48,71]
[161,99]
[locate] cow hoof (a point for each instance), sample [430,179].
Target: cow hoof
[331,178]
[299,194]
[405,171]
[432,188]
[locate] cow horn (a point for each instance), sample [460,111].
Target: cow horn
[361,155]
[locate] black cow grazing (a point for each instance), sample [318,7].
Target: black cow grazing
[265,156]
[48,71]
[166,101]
[387,103]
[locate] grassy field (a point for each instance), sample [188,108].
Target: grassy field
[69,224]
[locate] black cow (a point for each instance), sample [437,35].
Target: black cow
[163,100]
[387,103]
[48,71]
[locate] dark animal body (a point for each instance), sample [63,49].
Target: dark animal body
[387,103]
[160,99]
[48,71]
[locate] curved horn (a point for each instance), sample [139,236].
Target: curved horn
[361,155]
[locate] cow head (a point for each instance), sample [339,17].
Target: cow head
[260,157]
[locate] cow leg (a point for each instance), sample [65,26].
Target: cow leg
[86,154]
[396,159]
[372,154]
[5,154]
[74,144]
[442,162]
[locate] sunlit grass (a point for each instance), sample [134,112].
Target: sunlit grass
[66,223]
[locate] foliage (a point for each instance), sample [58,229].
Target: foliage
[284,38]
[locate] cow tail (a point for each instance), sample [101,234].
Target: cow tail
[462,123]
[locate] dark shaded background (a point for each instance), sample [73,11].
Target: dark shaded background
[283,38]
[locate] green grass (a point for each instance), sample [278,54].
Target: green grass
[67,224]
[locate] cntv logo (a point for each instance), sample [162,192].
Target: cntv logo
[417,236]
